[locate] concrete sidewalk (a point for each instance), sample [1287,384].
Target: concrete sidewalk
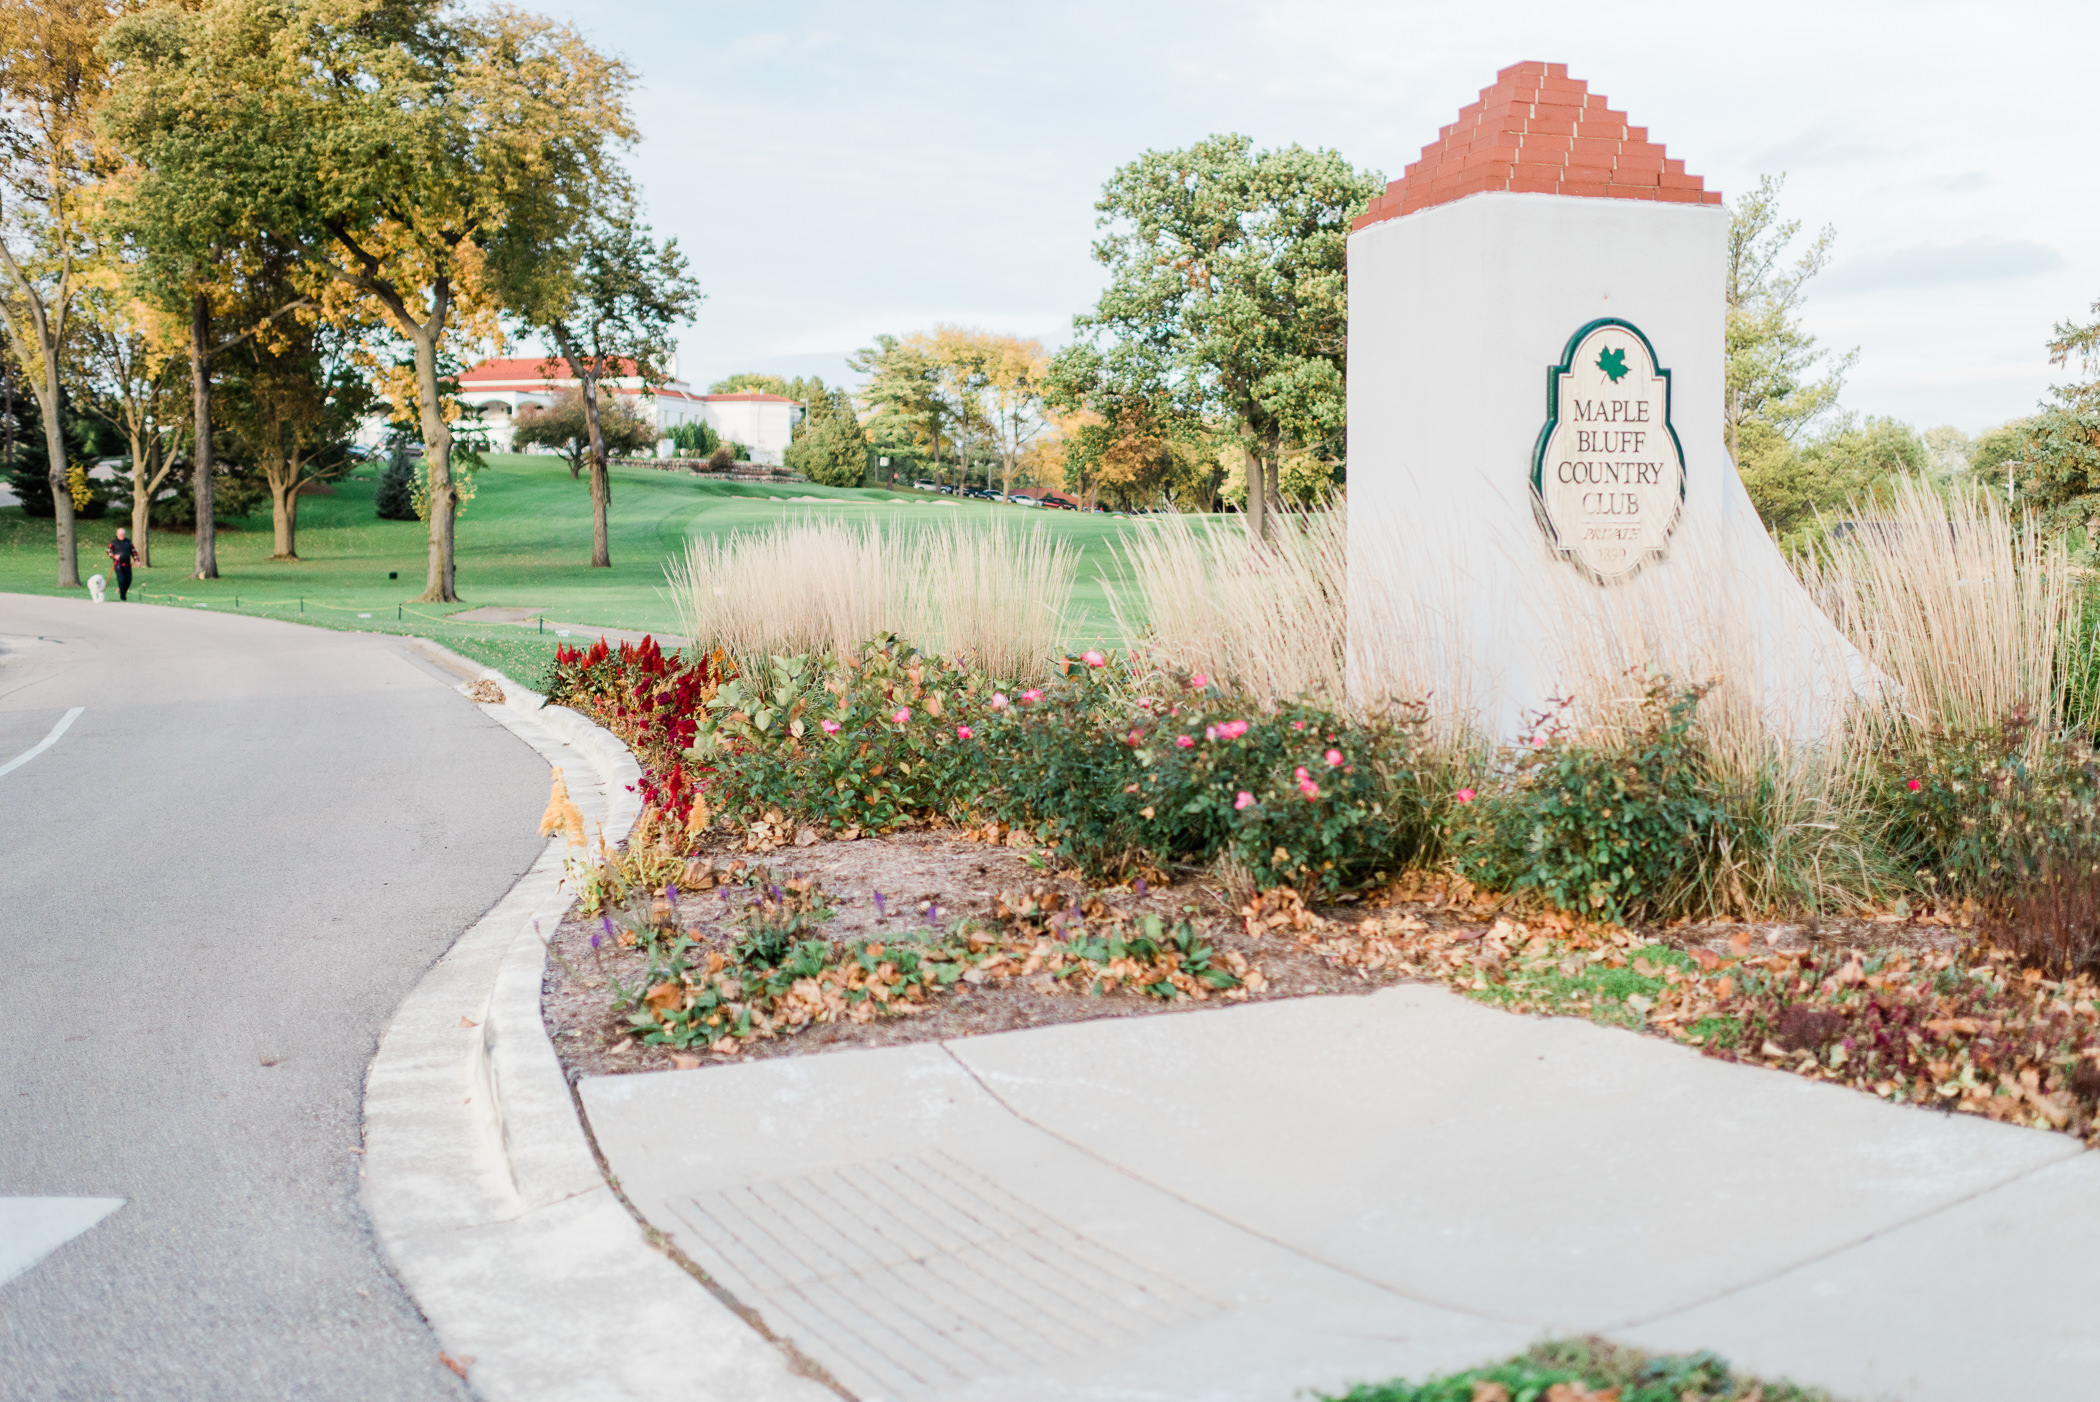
[1244,1203]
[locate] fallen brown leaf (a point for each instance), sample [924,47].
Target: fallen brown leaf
[458,1365]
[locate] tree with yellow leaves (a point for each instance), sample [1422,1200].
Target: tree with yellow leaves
[961,387]
[127,371]
[53,78]
[1014,370]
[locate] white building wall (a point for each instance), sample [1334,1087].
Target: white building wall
[764,426]
[1455,314]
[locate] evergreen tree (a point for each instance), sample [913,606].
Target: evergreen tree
[396,498]
[829,448]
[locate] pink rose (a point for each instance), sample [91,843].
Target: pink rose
[998,700]
[903,715]
[1210,732]
[1915,786]
[1334,759]
[1244,801]
[1093,658]
[1464,795]
[1232,730]
[829,727]
[1185,741]
[1199,680]
[1302,775]
[963,732]
[1031,695]
[1297,725]
[1308,788]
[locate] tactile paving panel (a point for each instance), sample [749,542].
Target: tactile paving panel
[909,1277]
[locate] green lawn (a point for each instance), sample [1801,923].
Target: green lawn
[524,542]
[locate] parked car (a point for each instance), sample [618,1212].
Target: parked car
[925,486]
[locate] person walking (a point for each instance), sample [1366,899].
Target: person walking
[121,553]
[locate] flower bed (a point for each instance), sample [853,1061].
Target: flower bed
[1120,778]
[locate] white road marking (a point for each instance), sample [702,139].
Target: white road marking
[46,743]
[32,1228]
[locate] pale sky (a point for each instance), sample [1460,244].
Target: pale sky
[836,170]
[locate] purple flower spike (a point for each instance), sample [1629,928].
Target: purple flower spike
[1137,887]
[775,890]
[882,906]
[597,940]
[933,914]
[671,895]
[606,921]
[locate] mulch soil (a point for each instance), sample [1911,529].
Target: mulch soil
[905,884]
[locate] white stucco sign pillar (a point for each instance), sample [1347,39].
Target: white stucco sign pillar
[1540,495]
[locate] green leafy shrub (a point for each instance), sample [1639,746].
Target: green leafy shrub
[872,741]
[1568,1370]
[1978,814]
[1618,830]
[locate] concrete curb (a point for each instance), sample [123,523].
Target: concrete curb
[479,1179]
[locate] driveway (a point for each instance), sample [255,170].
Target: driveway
[219,881]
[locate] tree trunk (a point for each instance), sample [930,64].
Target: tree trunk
[1275,479]
[1257,496]
[291,515]
[52,401]
[200,403]
[601,472]
[141,500]
[284,505]
[437,463]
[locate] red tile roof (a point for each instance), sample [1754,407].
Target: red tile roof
[1537,130]
[747,397]
[539,368]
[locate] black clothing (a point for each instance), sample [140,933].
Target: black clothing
[121,553]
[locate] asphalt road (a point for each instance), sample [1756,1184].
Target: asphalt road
[215,887]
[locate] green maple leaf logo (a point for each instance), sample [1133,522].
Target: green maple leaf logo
[1613,363]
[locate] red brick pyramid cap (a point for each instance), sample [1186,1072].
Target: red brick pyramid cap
[1539,131]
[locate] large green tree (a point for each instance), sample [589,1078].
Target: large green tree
[1849,462]
[1772,361]
[2055,454]
[1228,297]
[609,298]
[1780,384]
[390,143]
[802,388]
[905,396]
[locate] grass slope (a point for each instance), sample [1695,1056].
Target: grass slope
[524,542]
